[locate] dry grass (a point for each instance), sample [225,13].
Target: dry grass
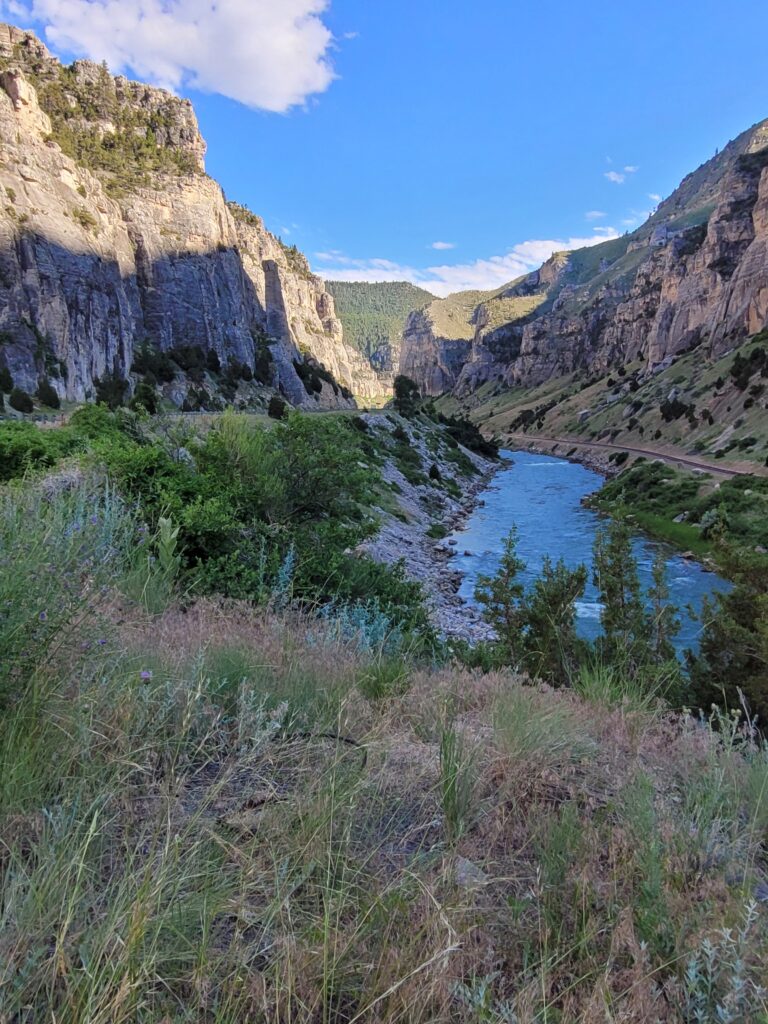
[195,850]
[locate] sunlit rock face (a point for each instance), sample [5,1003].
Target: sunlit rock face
[95,259]
[695,274]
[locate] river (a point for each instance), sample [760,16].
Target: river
[542,496]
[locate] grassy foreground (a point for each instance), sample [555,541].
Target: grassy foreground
[210,812]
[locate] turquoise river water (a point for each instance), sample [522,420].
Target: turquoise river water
[542,496]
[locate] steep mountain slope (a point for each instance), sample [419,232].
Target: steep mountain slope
[437,341]
[695,274]
[708,409]
[374,314]
[473,326]
[113,238]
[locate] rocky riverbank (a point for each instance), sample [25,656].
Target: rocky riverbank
[427,511]
[592,458]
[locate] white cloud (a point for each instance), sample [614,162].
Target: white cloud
[615,177]
[594,214]
[636,217]
[605,231]
[630,169]
[654,197]
[442,280]
[442,245]
[268,55]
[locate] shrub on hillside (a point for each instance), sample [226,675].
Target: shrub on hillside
[536,630]
[144,397]
[277,407]
[263,364]
[149,361]
[111,389]
[23,447]
[21,401]
[313,375]
[47,395]
[406,395]
[468,434]
[733,651]
[744,367]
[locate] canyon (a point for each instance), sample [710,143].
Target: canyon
[694,275]
[112,236]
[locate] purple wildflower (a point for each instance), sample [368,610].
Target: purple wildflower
[145,675]
[43,616]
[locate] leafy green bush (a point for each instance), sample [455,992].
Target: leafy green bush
[191,359]
[259,503]
[744,367]
[23,446]
[468,435]
[263,368]
[93,421]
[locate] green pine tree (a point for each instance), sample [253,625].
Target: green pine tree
[663,623]
[552,650]
[501,596]
[625,627]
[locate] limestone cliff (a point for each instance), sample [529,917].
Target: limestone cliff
[695,274]
[430,358]
[113,237]
[437,341]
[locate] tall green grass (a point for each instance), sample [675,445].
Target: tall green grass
[222,814]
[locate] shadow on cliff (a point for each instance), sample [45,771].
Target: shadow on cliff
[79,310]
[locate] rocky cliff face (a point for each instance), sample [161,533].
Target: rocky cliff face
[696,274]
[112,236]
[428,357]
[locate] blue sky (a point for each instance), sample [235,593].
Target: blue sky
[368,132]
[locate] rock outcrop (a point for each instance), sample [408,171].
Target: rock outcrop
[112,236]
[428,357]
[695,274]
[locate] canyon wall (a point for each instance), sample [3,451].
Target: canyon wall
[112,235]
[695,274]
